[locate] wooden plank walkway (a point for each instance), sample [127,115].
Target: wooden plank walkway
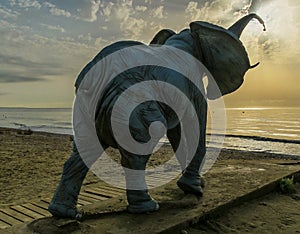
[18,214]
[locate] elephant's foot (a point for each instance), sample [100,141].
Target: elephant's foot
[140,202]
[63,211]
[143,207]
[191,185]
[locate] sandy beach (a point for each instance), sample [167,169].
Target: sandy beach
[32,164]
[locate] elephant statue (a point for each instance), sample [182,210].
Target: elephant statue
[221,52]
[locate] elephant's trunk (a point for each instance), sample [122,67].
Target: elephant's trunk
[240,25]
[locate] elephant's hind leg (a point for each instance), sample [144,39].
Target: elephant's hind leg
[63,203]
[138,197]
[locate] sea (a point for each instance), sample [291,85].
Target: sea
[264,129]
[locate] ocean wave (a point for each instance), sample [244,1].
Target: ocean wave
[22,126]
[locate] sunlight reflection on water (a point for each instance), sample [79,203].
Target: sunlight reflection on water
[275,123]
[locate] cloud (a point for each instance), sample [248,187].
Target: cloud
[7,77]
[31,55]
[193,10]
[100,42]
[106,9]
[52,40]
[57,11]
[133,26]
[217,11]
[8,13]
[26,3]
[60,12]
[123,13]
[90,10]
[141,8]
[85,38]
[158,12]
[14,60]
[55,28]
[279,43]
[20,69]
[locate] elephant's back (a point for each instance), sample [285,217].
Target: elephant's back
[102,54]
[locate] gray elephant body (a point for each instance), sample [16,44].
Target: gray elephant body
[148,112]
[194,41]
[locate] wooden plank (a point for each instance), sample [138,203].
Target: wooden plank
[88,199]
[44,204]
[17,215]
[27,212]
[41,204]
[47,200]
[4,225]
[97,197]
[108,191]
[36,209]
[169,176]
[99,192]
[8,219]
[82,202]
[151,183]
[112,188]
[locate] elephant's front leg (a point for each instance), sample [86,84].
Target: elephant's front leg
[138,197]
[191,181]
[174,136]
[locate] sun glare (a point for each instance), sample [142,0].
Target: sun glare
[278,17]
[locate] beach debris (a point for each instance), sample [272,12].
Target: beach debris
[25,132]
[23,129]
[287,186]
[184,232]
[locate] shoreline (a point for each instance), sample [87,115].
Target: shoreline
[255,153]
[259,138]
[253,137]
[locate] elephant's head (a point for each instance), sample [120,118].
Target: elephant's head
[223,53]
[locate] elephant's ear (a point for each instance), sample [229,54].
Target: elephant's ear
[161,37]
[223,54]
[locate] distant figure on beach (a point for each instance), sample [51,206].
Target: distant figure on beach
[222,53]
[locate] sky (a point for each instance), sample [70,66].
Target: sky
[45,44]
